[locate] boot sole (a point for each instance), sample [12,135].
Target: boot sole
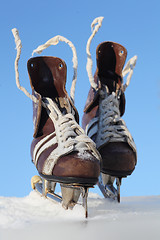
[86,182]
[119,174]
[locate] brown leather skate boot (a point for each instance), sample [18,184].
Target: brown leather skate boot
[60,150]
[103,110]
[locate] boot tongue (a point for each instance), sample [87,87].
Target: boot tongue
[110,58]
[64,105]
[112,82]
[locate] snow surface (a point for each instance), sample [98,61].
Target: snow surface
[34,217]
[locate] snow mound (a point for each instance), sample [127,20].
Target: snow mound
[34,217]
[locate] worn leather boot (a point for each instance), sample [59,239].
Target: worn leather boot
[103,110]
[60,150]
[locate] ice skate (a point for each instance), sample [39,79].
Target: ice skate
[60,150]
[102,116]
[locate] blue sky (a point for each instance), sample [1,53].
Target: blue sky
[134,24]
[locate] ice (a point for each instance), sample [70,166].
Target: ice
[34,217]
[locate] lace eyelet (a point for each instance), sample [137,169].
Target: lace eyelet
[60,66]
[32,65]
[121,53]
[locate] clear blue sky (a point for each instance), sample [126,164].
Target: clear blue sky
[134,24]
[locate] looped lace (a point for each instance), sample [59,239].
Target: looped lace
[89,64]
[111,112]
[54,41]
[112,127]
[70,136]
[128,69]
[69,133]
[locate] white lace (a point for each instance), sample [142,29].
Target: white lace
[111,126]
[96,24]
[128,69]
[70,136]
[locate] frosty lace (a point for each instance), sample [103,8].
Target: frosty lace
[89,64]
[111,127]
[18,48]
[68,132]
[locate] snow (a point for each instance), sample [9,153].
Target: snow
[34,217]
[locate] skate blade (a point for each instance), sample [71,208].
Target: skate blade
[70,193]
[105,183]
[39,186]
[70,196]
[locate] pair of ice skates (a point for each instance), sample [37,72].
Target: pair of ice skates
[103,151]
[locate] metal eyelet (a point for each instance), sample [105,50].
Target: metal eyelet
[60,66]
[121,53]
